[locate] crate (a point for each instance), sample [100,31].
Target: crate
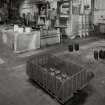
[21,42]
[59,78]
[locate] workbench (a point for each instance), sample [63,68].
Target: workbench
[50,37]
[26,41]
[102,28]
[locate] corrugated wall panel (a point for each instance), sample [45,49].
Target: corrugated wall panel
[100,4]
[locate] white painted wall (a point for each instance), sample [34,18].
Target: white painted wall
[99,13]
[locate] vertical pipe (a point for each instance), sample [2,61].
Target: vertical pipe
[70,16]
[92,9]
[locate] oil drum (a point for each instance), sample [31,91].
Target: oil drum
[96,55]
[76,46]
[102,54]
[70,47]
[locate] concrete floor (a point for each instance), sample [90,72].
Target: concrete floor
[16,89]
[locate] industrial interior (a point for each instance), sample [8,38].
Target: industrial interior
[52,52]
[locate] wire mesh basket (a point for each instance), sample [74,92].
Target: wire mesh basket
[59,78]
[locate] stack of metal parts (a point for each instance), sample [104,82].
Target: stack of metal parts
[59,78]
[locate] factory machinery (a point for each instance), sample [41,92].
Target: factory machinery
[61,79]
